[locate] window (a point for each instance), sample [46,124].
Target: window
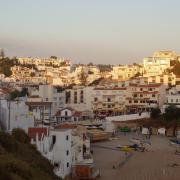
[67,152]
[66,113]
[67,164]
[153,95]
[95,99]
[46,99]
[176,100]
[75,97]
[67,137]
[81,100]
[109,99]
[53,139]
[172,100]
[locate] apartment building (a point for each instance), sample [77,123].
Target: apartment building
[65,146]
[41,111]
[158,63]
[44,61]
[19,71]
[126,72]
[79,98]
[108,101]
[144,97]
[51,94]
[172,97]
[169,79]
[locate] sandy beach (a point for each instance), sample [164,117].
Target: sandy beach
[160,162]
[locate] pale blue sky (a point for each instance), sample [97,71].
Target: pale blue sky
[100,31]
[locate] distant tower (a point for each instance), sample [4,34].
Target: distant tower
[2,55]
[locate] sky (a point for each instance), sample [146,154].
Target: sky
[98,31]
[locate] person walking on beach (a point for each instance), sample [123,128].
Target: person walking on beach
[150,132]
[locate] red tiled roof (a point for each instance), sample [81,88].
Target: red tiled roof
[58,113]
[41,131]
[66,126]
[5,90]
[77,114]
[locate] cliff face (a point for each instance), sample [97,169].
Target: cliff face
[19,160]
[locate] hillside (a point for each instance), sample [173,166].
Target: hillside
[19,160]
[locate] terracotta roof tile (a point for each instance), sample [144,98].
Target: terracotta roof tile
[77,114]
[41,131]
[66,126]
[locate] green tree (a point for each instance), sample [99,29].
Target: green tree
[155,113]
[32,74]
[6,64]
[53,57]
[24,92]
[172,113]
[176,68]
[20,135]
[14,94]
[172,117]
[83,78]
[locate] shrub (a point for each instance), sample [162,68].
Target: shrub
[20,135]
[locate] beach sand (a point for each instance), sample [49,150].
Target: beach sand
[160,162]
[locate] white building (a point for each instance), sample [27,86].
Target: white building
[53,94]
[64,146]
[158,63]
[79,98]
[172,97]
[71,115]
[126,72]
[108,101]
[145,97]
[15,114]
[167,79]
